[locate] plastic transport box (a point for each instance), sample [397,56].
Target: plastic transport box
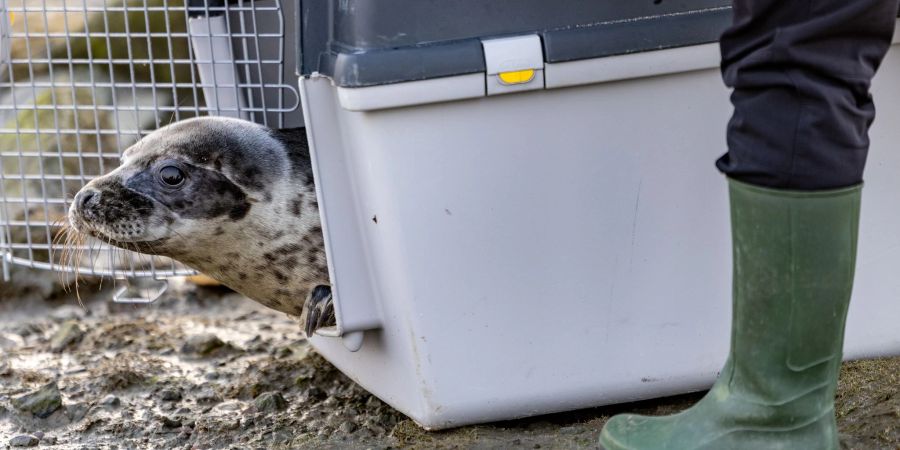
[520,206]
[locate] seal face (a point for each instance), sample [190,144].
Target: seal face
[230,198]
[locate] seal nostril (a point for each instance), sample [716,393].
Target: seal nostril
[85,197]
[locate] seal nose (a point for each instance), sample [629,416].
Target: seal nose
[86,198]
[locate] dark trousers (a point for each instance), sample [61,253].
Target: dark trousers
[801,72]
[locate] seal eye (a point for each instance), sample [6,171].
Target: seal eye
[171,176]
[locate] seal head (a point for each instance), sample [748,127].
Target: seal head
[230,198]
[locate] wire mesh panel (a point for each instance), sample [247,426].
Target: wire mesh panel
[81,80]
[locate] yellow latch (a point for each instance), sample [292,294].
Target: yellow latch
[513,64]
[516,77]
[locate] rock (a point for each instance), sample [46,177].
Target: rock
[41,403]
[314,394]
[208,397]
[205,345]
[67,313]
[270,402]
[8,344]
[334,420]
[121,378]
[373,402]
[231,425]
[4,365]
[313,424]
[387,420]
[374,426]
[24,440]
[111,401]
[25,329]
[229,406]
[281,438]
[69,333]
[304,375]
[77,411]
[170,395]
[364,434]
[312,414]
[169,422]
[184,435]
[74,370]
[347,427]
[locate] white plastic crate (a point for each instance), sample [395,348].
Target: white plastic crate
[567,247]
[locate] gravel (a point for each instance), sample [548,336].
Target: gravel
[208,369]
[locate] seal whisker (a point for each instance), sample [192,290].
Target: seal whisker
[63,238]
[60,232]
[74,255]
[64,257]
[114,253]
[136,248]
[152,250]
[73,238]
[76,239]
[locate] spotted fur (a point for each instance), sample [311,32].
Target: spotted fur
[245,214]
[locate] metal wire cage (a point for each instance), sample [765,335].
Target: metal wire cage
[81,80]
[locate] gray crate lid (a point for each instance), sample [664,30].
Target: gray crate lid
[366,42]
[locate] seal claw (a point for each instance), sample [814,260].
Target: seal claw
[320,310]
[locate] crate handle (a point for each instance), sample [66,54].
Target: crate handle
[140,293]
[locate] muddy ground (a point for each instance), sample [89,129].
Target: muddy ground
[206,369]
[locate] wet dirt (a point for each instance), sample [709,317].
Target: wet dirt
[207,369]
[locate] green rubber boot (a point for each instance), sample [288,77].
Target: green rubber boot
[794,257]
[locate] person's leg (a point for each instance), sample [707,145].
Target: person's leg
[797,147]
[794,253]
[801,72]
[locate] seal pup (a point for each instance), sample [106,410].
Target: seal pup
[227,197]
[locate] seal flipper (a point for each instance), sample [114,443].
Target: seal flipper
[319,310]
